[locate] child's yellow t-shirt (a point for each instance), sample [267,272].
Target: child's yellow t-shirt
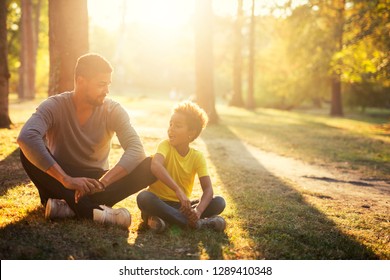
[182,170]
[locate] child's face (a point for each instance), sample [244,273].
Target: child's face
[178,132]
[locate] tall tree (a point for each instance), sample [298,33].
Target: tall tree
[68,39]
[250,104]
[336,103]
[29,45]
[5,121]
[237,99]
[204,58]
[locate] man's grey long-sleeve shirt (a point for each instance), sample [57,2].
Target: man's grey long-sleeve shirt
[54,127]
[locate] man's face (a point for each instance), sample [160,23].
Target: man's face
[96,89]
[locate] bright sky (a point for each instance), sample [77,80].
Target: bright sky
[162,13]
[167,13]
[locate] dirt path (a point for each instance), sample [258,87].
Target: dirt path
[310,176]
[323,182]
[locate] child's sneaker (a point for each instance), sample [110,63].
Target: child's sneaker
[156,224]
[108,215]
[58,209]
[216,223]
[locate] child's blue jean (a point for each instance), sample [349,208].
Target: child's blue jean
[151,205]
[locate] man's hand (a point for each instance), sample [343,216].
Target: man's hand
[83,186]
[78,195]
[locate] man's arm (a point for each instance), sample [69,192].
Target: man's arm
[133,149]
[81,184]
[114,174]
[131,143]
[30,139]
[31,143]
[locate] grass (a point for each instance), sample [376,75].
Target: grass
[357,143]
[269,217]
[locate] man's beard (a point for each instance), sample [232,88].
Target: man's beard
[96,101]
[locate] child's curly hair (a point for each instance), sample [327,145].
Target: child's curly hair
[196,117]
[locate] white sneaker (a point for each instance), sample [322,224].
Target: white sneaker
[156,224]
[216,223]
[58,209]
[108,215]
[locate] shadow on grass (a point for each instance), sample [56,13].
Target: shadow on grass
[177,243]
[12,173]
[275,217]
[33,237]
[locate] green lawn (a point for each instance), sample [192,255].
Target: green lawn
[268,217]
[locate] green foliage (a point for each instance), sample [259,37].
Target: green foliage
[366,49]
[366,94]
[297,54]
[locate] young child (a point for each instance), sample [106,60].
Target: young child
[175,165]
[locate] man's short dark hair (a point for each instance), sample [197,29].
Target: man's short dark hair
[91,64]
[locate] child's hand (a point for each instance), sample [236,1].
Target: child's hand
[184,201]
[191,215]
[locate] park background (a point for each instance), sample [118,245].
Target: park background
[298,97]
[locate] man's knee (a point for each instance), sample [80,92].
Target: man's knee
[142,174]
[23,158]
[145,164]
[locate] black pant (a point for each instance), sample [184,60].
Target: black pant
[151,205]
[49,187]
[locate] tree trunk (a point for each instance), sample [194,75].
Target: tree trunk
[336,103]
[68,39]
[36,23]
[250,104]
[5,121]
[237,63]
[28,52]
[204,58]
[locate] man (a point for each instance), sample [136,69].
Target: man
[66,143]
